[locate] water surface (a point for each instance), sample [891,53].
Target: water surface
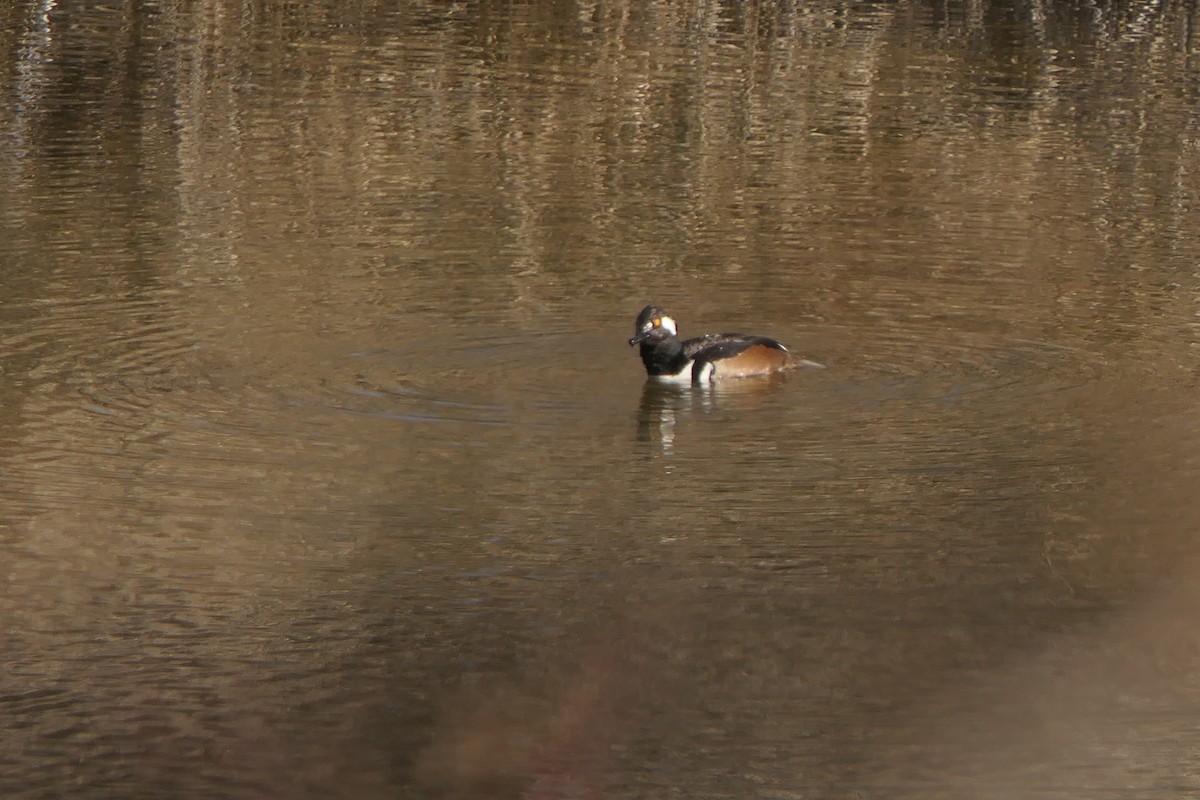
[327,471]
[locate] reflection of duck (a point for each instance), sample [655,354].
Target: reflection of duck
[705,359]
[664,403]
[656,417]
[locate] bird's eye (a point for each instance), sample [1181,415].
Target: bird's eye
[656,322]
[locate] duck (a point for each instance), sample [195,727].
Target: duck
[706,359]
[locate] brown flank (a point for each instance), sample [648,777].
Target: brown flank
[757,359]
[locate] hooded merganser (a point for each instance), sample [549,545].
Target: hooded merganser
[706,358]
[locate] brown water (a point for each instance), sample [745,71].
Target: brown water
[326,471]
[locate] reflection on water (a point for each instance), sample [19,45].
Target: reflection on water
[327,470]
[663,404]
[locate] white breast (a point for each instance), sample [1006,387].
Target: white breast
[683,376]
